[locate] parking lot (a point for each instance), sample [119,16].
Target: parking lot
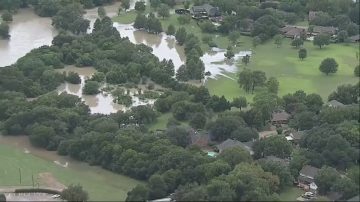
[30,197]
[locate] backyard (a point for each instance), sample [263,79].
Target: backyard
[100,184]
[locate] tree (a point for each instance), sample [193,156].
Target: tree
[179,136]
[222,128]
[246,59]
[246,80]
[157,186]
[219,190]
[73,78]
[101,12]
[2,197]
[140,6]
[234,37]
[140,21]
[326,178]
[302,53]
[239,102]
[229,53]
[91,88]
[321,40]
[259,79]
[187,4]
[278,40]
[329,65]
[74,193]
[273,85]
[274,145]
[342,36]
[170,30]
[244,134]
[279,169]
[304,120]
[346,94]
[180,36]
[125,4]
[184,19]
[297,42]
[191,192]
[7,16]
[357,71]
[138,193]
[4,31]
[163,11]
[256,41]
[198,121]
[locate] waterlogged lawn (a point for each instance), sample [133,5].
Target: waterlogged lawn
[101,185]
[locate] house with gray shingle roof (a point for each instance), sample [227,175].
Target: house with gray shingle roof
[335,104]
[230,143]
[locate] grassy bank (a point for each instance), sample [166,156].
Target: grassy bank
[102,185]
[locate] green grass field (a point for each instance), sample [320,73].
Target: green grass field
[293,74]
[291,194]
[101,185]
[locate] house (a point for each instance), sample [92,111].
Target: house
[335,104]
[293,32]
[355,38]
[324,30]
[230,143]
[281,117]
[205,10]
[295,136]
[200,140]
[307,178]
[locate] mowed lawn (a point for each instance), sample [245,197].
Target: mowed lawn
[102,185]
[293,74]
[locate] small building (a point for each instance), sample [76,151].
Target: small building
[295,136]
[200,140]
[230,143]
[281,117]
[335,104]
[355,38]
[205,10]
[293,32]
[324,30]
[307,178]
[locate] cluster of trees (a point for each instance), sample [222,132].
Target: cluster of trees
[249,80]
[148,23]
[194,67]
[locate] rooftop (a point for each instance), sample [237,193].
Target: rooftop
[309,171]
[280,116]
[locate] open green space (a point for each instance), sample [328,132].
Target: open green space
[291,194]
[101,185]
[293,74]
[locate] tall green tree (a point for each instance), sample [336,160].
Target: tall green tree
[180,35]
[273,85]
[229,53]
[74,193]
[321,40]
[328,65]
[278,40]
[164,11]
[302,53]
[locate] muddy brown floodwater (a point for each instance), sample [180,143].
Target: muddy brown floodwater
[29,31]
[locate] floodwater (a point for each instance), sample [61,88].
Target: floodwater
[29,31]
[101,103]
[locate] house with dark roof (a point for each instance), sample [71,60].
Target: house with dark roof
[205,10]
[355,38]
[306,178]
[293,32]
[294,136]
[230,143]
[316,30]
[335,104]
[200,140]
[280,117]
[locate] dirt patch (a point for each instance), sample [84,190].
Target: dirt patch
[48,180]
